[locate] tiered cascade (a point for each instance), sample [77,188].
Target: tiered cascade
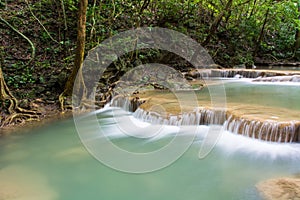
[268,130]
[245,73]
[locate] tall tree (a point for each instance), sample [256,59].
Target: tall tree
[215,24]
[297,36]
[262,30]
[79,56]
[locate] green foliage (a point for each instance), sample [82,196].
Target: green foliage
[247,30]
[22,77]
[237,35]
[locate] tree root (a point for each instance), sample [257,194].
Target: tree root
[61,100]
[15,113]
[19,115]
[19,118]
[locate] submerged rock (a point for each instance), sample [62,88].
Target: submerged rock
[280,189]
[18,182]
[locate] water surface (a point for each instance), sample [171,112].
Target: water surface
[52,163]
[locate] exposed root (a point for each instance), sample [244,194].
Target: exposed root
[15,113]
[61,100]
[73,89]
[19,115]
[19,118]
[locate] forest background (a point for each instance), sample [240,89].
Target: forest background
[38,40]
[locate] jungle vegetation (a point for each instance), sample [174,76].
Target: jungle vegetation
[43,42]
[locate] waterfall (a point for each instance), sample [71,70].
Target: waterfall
[294,78]
[126,103]
[200,116]
[230,73]
[263,130]
[245,73]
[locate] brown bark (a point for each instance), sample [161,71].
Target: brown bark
[252,10]
[262,32]
[297,42]
[297,36]
[79,56]
[213,29]
[214,26]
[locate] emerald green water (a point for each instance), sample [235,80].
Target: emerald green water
[52,164]
[281,95]
[271,94]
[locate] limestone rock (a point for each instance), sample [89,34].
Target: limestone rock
[280,189]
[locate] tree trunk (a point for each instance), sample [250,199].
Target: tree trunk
[214,26]
[261,32]
[252,10]
[79,56]
[213,29]
[297,36]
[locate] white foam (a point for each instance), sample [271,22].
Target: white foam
[232,144]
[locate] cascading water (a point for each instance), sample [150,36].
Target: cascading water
[245,73]
[293,78]
[264,130]
[286,131]
[198,117]
[267,130]
[126,104]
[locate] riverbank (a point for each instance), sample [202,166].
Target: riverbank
[49,113]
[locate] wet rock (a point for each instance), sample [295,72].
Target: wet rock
[193,74]
[238,76]
[189,78]
[198,73]
[280,189]
[215,66]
